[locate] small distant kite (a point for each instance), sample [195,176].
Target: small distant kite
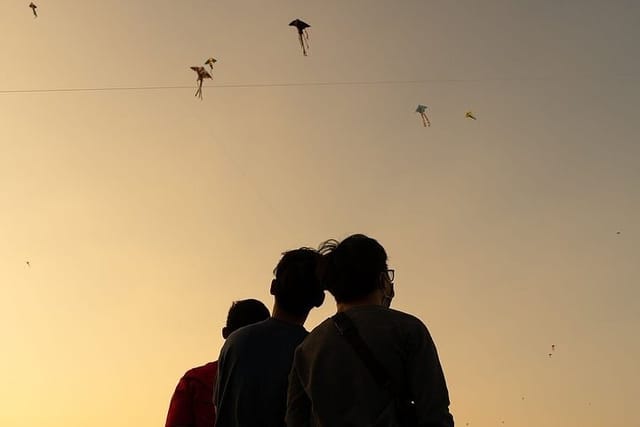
[550,354]
[617,232]
[202,74]
[303,35]
[210,62]
[469,115]
[28,263]
[33,8]
[422,110]
[553,347]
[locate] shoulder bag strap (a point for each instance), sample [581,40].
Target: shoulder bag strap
[348,330]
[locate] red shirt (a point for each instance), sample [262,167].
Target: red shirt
[192,402]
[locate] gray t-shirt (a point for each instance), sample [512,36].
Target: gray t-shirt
[329,385]
[254,363]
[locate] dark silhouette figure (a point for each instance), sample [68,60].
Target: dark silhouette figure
[254,364]
[192,402]
[368,365]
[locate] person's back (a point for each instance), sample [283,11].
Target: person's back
[256,360]
[331,385]
[191,401]
[254,364]
[343,391]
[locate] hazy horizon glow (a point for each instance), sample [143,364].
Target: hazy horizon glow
[144,214]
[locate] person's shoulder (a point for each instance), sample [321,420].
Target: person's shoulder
[245,339]
[322,328]
[407,320]
[245,332]
[376,313]
[402,316]
[203,372]
[319,333]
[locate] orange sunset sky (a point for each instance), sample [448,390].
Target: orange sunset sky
[144,213]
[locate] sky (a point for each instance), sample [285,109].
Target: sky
[145,213]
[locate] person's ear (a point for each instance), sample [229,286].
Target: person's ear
[382,280]
[274,284]
[225,332]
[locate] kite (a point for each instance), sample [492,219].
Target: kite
[210,62]
[469,115]
[553,347]
[549,354]
[33,7]
[28,264]
[303,35]
[202,74]
[422,110]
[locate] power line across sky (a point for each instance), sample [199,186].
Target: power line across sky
[323,83]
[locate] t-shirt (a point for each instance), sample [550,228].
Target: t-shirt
[329,384]
[191,404]
[253,371]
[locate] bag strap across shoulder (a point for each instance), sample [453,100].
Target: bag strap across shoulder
[348,330]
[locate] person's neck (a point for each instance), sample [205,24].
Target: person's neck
[374,298]
[279,314]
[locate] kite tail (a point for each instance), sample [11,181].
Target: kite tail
[427,119]
[306,39]
[199,90]
[301,39]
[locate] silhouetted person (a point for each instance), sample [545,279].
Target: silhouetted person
[255,361]
[333,384]
[192,402]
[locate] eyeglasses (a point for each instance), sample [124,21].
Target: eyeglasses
[391,274]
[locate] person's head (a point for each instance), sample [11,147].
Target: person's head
[243,313]
[296,287]
[354,269]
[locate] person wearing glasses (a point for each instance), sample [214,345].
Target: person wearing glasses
[191,404]
[368,365]
[254,363]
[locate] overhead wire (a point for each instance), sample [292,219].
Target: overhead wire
[318,84]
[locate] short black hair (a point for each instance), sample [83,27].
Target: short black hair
[245,312]
[296,287]
[351,269]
